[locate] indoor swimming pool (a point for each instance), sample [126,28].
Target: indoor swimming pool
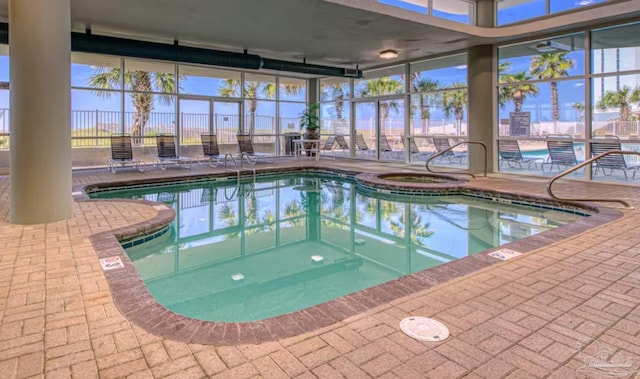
[286,242]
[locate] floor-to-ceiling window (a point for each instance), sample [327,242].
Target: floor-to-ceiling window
[292,100]
[438,106]
[541,96]
[379,112]
[153,98]
[615,101]
[210,102]
[335,109]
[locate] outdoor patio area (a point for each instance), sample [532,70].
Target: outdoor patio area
[568,309]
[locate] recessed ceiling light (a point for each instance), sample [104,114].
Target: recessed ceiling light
[388,54]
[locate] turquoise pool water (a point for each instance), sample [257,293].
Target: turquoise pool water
[292,241]
[544,153]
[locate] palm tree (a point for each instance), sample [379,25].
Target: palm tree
[621,99]
[335,92]
[517,92]
[228,215]
[422,85]
[579,107]
[420,230]
[142,83]
[252,91]
[455,101]
[293,211]
[503,96]
[552,66]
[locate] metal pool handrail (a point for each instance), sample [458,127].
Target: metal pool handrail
[579,166]
[451,148]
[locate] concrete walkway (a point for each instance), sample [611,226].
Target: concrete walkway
[569,309]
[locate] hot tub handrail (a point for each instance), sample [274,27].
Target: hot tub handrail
[451,148]
[579,166]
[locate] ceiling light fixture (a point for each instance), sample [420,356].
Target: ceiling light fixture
[388,54]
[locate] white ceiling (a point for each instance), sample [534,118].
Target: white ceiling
[335,32]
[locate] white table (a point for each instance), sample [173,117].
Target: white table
[299,147]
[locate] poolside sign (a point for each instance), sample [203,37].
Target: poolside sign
[111,263]
[519,123]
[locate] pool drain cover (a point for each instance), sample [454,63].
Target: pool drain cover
[424,329]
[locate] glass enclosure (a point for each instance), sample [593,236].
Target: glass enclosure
[548,100]
[462,11]
[511,11]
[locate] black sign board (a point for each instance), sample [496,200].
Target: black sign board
[519,123]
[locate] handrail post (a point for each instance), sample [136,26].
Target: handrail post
[579,166]
[450,148]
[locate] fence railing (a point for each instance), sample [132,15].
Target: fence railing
[93,127]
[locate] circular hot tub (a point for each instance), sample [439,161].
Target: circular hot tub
[419,178]
[410,181]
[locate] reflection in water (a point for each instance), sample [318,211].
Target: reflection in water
[244,253]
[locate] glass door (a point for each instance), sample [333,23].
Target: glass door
[391,129]
[195,119]
[366,126]
[205,115]
[379,128]
[225,121]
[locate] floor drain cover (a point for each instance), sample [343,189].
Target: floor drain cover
[424,329]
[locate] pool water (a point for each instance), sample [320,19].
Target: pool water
[287,242]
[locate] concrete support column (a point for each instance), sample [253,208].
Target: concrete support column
[481,80]
[40,94]
[312,90]
[485,13]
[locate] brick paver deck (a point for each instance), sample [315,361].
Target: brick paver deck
[521,318]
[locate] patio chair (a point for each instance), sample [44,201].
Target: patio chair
[385,147]
[613,161]
[122,154]
[561,152]
[414,150]
[210,150]
[509,152]
[343,146]
[166,154]
[362,147]
[441,143]
[328,145]
[245,146]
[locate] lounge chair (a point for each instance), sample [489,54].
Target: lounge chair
[122,154]
[210,150]
[561,152]
[343,146]
[245,146]
[612,161]
[441,143]
[328,145]
[414,150]
[362,147]
[509,152]
[166,145]
[385,148]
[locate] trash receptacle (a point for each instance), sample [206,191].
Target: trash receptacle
[289,149]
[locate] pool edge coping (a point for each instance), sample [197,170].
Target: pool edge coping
[131,297]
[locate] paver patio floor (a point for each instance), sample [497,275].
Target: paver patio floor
[548,313]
